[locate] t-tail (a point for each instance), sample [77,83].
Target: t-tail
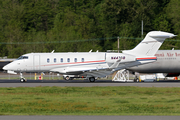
[150,45]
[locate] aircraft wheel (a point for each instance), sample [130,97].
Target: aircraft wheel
[67,78]
[92,79]
[22,80]
[136,79]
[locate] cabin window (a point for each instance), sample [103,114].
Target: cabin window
[75,59]
[68,60]
[82,59]
[61,59]
[55,60]
[48,60]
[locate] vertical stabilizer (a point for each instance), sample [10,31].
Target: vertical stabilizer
[150,44]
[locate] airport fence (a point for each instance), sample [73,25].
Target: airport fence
[31,76]
[39,76]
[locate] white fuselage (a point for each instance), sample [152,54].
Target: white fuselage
[167,62]
[74,63]
[47,61]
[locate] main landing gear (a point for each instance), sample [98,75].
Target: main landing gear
[92,79]
[67,78]
[22,79]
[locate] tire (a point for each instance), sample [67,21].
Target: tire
[22,80]
[67,78]
[136,79]
[92,79]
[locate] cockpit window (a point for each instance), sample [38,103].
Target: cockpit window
[25,57]
[22,57]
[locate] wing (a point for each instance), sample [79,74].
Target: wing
[89,71]
[101,70]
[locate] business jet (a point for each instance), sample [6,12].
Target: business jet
[167,63]
[90,64]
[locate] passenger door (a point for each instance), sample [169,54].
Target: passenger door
[36,62]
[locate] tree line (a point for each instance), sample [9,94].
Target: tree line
[80,25]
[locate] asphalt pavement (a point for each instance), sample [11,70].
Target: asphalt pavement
[84,83]
[65,117]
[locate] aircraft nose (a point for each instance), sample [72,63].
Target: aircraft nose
[5,67]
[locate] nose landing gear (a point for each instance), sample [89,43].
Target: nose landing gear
[22,79]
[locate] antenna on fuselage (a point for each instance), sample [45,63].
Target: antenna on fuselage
[52,51]
[90,51]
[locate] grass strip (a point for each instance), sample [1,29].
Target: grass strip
[89,101]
